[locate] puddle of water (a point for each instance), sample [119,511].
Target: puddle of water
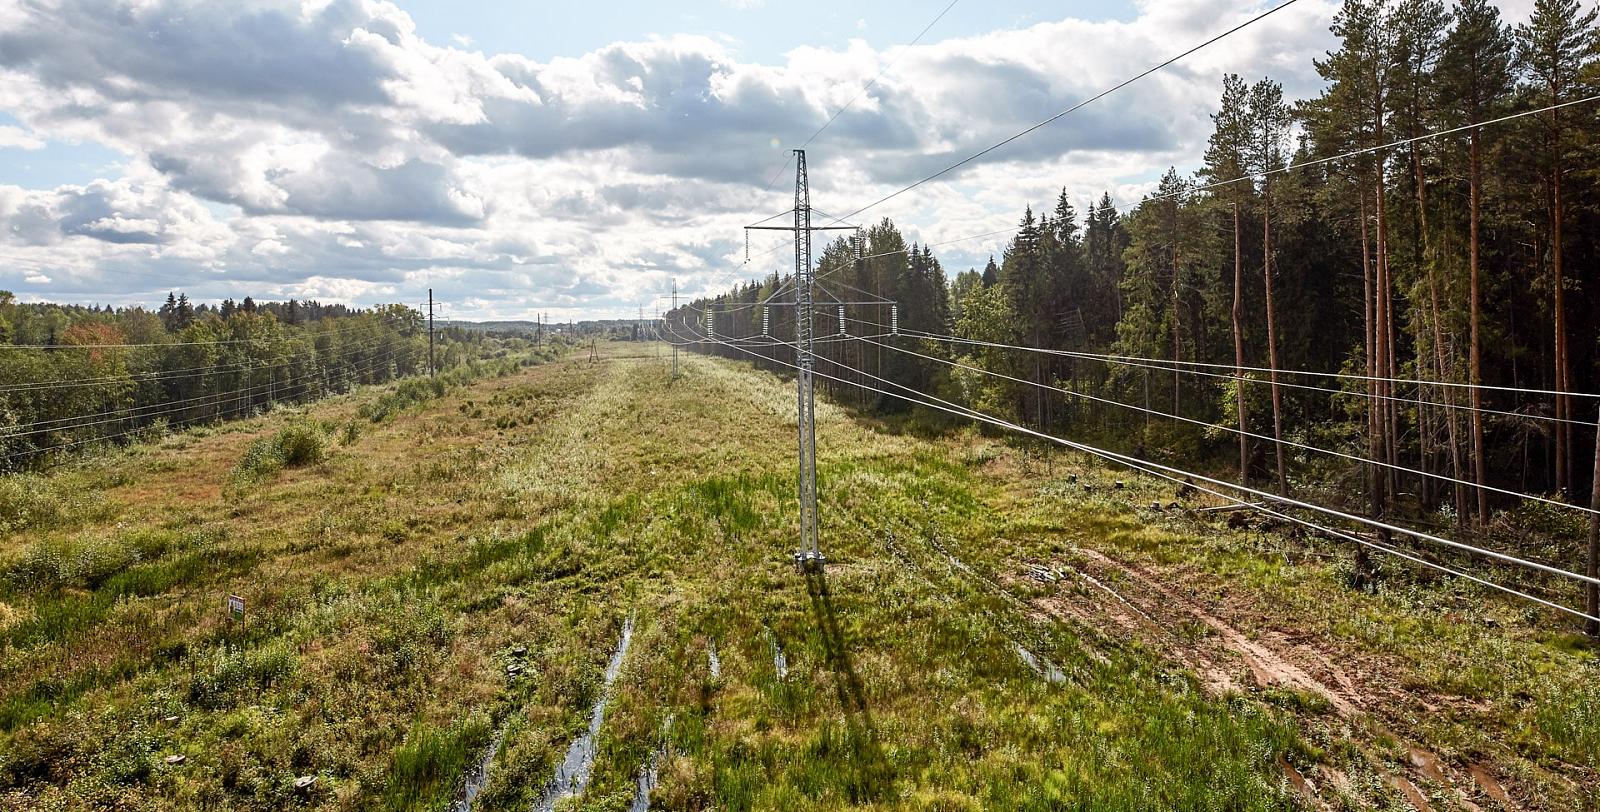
[572,777]
[716,662]
[645,785]
[1040,665]
[780,663]
[478,776]
[649,772]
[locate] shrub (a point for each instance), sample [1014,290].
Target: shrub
[38,502]
[293,446]
[350,433]
[299,444]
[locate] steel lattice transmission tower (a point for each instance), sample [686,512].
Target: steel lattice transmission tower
[805,413]
[809,556]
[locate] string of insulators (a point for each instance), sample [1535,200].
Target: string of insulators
[894,319]
[711,323]
[861,246]
[766,320]
[747,246]
[841,319]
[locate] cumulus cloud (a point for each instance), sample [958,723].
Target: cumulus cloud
[18,138]
[286,146]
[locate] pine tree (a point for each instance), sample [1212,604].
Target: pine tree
[1028,289]
[183,313]
[1475,76]
[169,312]
[1555,47]
[1269,132]
[1225,161]
[991,273]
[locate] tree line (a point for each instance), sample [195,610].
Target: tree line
[1421,272]
[73,375]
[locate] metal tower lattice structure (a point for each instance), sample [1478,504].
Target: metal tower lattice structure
[810,554]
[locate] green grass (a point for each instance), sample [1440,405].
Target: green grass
[460,570]
[427,766]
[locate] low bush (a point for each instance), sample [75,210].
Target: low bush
[38,502]
[293,446]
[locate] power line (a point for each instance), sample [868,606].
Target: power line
[1240,431]
[1164,365]
[161,375]
[1364,150]
[886,68]
[1058,116]
[34,427]
[790,157]
[242,396]
[125,346]
[955,408]
[1199,364]
[1192,189]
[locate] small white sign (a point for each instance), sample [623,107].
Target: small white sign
[236,606]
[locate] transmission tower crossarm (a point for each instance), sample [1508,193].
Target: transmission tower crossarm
[808,227]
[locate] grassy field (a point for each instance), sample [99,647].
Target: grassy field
[997,629]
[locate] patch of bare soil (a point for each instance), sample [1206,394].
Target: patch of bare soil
[1230,648]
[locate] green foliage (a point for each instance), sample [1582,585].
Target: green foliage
[414,391]
[34,502]
[427,765]
[296,445]
[227,675]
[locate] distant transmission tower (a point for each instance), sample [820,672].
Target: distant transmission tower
[674,311]
[809,556]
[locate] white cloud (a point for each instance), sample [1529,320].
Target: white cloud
[353,158]
[18,138]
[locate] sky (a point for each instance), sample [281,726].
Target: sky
[571,159]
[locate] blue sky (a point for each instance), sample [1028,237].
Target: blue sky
[566,158]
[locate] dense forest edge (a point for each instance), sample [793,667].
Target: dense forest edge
[73,377]
[1442,294]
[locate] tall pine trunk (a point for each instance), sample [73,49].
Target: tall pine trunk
[1475,373]
[1593,569]
[1238,346]
[1272,342]
[1384,305]
[1563,401]
[1444,364]
[1370,340]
